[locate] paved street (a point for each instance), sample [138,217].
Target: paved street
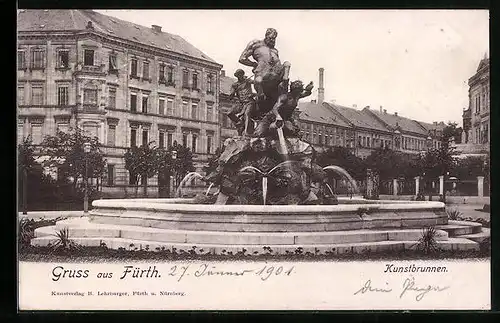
[469,210]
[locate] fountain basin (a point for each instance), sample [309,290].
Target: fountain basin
[355,225]
[350,214]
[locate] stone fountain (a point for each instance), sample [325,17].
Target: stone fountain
[271,192]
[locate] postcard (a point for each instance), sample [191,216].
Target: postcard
[253,160]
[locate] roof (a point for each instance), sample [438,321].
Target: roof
[225,84]
[484,62]
[72,20]
[314,112]
[359,118]
[405,124]
[439,126]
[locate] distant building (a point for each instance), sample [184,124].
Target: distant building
[124,83]
[476,118]
[227,128]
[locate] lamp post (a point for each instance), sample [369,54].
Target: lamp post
[174,177]
[86,150]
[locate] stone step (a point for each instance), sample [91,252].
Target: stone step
[460,228]
[82,228]
[360,247]
[478,237]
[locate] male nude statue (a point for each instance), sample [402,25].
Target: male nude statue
[245,107]
[270,73]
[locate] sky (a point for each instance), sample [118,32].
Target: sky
[414,62]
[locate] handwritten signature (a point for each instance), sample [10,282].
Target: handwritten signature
[409,285]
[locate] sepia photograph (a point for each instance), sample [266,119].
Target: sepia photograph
[253,159]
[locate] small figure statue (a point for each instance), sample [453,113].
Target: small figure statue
[271,76]
[282,111]
[245,108]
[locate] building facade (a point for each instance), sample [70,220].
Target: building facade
[123,83]
[476,118]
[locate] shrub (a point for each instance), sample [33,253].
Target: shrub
[427,242]
[454,214]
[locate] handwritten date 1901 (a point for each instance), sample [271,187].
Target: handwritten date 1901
[204,270]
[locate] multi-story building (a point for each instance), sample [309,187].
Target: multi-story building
[409,136]
[369,133]
[123,83]
[476,118]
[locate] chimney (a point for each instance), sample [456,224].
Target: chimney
[354,105]
[156,28]
[381,109]
[367,107]
[385,111]
[313,101]
[435,123]
[396,114]
[222,73]
[321,89]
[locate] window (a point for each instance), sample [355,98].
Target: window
[368,141]
[88,57]
[62,95]
[112,63]
[20,95]
[111,175]
[194,140]
[169,139]
[195,81]
[63,59]
[170,75]
[37,95]
[133,102]
[91,129]
[161,139]
[320,139]
[133,68]
[112,98]
[184,139]
[21,60]
[210,84]
[161,74]
[144,179]
[144,104]
[210,111]
[145,70]
[90,96]
[37,59]
[161,106]
[185,76]
[133,135]
[20,131]
[209,144]
[359,141]
[194,111]
[170,107]
[144,137]
[111,135]
[62,126]
[185,109]
[36,133]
